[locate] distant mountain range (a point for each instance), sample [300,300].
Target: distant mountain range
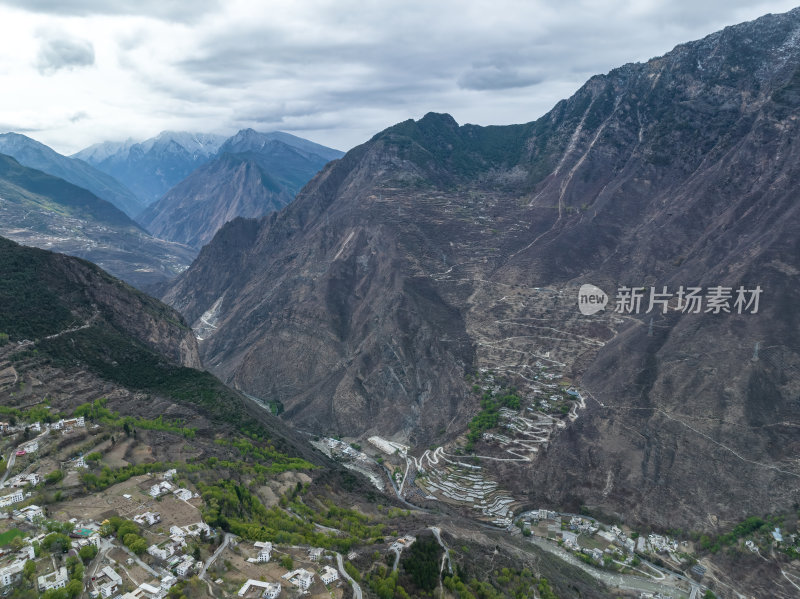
[33,154]
[252,175]
[41,210]
[150,168]
[249,174]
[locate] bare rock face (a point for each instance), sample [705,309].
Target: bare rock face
[435,249]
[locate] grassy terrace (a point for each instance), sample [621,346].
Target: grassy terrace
[232,507]
[489,417]
[99,413]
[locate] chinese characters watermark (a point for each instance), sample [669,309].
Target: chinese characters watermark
[687,300]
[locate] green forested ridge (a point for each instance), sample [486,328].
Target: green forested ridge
[438,141]
[31,306]
[40,294]
[48,298]
[23,185]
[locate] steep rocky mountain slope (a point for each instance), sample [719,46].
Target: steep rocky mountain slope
[253,175]
[149,168]
[40,210]
[74,338]
[33,154]
[436,250]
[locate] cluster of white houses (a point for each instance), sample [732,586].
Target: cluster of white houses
[12,498]
[68,423]
[164,487]
[147,519]
[22,480]
[36,427]
[65,424]
[11,571]
[28,513]
[170,551]
[300,578]
[108,582]
[57,579]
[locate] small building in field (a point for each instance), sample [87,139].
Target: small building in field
[329,575]
[257,588]
[315,553]
[300,578]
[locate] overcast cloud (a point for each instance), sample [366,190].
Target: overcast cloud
[59,52]
[334,71]
[171,10]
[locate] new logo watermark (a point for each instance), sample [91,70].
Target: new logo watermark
[591,299]
[687,300]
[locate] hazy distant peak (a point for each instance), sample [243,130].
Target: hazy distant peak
[250,140]
[105,149]
[150,167]
[205,144]
[19,140]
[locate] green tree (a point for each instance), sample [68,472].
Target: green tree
[139,546]
[87,553]
[545,592]
[74,588]
[75,568]
[29,570]
[352,571]
[421,562]
[17,543]
[125,529]
[57,542]
[287,562]
[53,477]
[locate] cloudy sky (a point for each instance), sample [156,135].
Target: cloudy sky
[75,72]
